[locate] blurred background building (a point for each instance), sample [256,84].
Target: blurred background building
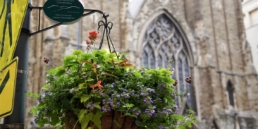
[206,39]
[250,11]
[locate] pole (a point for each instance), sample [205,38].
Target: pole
[79,34]
[16,120]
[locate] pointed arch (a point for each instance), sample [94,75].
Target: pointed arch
[163,40]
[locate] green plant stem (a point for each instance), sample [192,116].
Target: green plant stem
[75,124]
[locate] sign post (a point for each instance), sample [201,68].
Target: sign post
[22,51]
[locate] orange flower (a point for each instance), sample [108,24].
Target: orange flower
[125,63]
[93,65]
[97,85]
[93,35]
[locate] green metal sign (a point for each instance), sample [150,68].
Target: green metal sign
[66,11]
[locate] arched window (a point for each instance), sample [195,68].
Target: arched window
[164,41]
[230,90]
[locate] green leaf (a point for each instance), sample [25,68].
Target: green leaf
[117,124]
[138,123]
[181,127]
[34,111]
[81,114]
[46,87]
[128,114]
[42,122]
[60,71]
[54,120]
[85,98]
[97,106]
[81,86]
[69,59]
[62,127]
[128,105]
[85,120]
[32,95]
[77,52]
[65,103]
[96,119]
[86,57]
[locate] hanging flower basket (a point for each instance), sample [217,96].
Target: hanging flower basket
[103,90]
[107,122]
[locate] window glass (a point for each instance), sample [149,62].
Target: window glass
[164,43]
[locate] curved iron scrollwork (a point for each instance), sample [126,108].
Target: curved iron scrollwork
[105,23]
[107,28]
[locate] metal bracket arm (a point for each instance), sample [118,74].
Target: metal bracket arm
[107,26]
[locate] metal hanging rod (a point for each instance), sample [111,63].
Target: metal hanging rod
[107,26]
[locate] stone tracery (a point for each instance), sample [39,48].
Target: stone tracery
[163,43]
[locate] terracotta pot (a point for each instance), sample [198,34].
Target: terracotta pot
[109,120]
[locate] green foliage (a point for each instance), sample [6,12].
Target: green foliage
[90,84]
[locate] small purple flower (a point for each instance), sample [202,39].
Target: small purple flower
[102,94]
[88,105]
[104,109]
[150,90]
[144,94]
[112,104]
[127,95]
[85,76]
[109,109]
[188,95]
[113,95]
[104,101]
[138,113]
[46,110]
[148,100]
[149,112]
[172,94]
[169,111]
[40,99]
[175,105]
[94,91]
[92,106]
[122,95]
[71,90]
